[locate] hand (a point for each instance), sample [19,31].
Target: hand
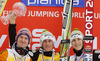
[12,17]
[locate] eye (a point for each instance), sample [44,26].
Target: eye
[26,38]
[44,41]
[73,40]
[50,40]
[21,36]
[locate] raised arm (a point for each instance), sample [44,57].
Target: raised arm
[12,28]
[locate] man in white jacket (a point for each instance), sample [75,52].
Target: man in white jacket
[76,39]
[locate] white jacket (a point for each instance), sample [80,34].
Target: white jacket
[73,58]
[12,55]
[77,58]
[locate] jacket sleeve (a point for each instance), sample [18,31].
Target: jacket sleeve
[3,55]
[12,33]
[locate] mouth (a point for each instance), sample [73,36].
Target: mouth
[22,42]
[77,46]
[47,47]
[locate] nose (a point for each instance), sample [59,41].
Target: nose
[47,43]
[77,42]
[23,39]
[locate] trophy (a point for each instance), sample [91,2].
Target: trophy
[19,9]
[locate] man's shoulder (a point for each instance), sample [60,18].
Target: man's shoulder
[4,52]
[3,55]
[72,57]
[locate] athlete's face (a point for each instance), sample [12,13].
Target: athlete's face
[22,41]
[47,44]
[77,43]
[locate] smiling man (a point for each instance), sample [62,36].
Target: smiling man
[46,51]
[19,42]
[19,50]
[47,44]
[76,39]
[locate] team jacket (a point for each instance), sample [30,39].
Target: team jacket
[73,58]
[12,55]
[47,56]
[77,58]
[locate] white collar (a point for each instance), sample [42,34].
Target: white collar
[18,55]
